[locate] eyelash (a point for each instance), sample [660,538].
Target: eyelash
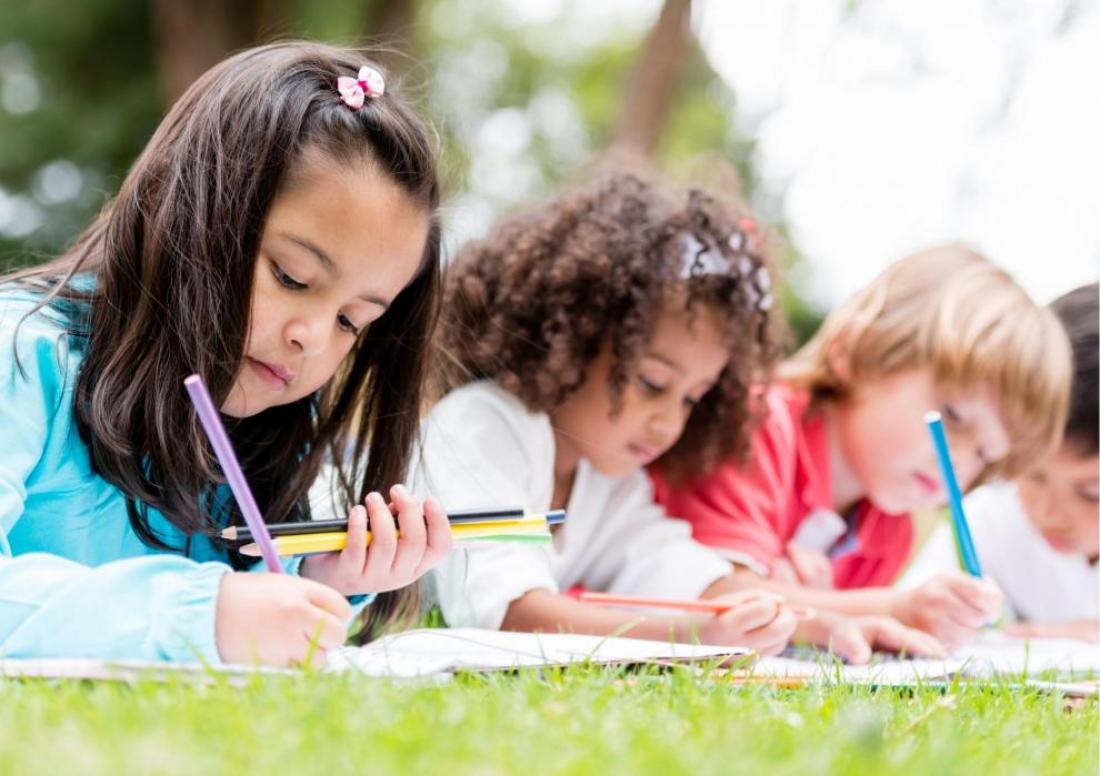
[657,390]
[345,323]
[953,417]
[288,282]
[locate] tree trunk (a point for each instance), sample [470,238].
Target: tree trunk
[191,36]
[391,30]
[652,83]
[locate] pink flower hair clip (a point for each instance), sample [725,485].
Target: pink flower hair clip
[355,91]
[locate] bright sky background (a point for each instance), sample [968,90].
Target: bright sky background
[884,126]
[912,122]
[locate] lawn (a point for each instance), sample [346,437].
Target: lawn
[581,721]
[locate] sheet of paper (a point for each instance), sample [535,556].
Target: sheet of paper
[428,651]
[995,653]
[992,654]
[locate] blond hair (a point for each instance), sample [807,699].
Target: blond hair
[949,309]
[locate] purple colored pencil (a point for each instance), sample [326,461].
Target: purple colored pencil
[223,449]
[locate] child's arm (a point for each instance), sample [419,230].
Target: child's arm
[162,608]
[401,550]
[951,607]
[759,622]
[1084,630]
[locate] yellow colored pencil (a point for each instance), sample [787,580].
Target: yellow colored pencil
[334,541]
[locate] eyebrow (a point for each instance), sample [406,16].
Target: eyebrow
[330,265]
[665,360]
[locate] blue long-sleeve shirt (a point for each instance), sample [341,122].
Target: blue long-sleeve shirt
[75,579]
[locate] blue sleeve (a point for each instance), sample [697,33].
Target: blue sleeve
[159,607]
[147,608]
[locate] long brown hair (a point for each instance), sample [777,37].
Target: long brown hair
[173,258]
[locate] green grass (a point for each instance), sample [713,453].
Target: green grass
[577,722]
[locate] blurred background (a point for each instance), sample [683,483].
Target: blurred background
[861,130]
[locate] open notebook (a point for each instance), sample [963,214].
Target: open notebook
[415,653]
[440,653]
[993,654]
[447,650]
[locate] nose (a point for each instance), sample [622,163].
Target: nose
[665,423]
[308,334]
[1040,506]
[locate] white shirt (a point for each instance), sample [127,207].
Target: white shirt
[482,448]
[1040,584]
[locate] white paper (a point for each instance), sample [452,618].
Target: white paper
[428,651]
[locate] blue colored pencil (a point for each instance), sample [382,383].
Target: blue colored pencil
[964,544]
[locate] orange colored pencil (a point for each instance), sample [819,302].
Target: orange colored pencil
[701,605]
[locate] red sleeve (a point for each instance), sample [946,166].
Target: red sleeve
[745,509]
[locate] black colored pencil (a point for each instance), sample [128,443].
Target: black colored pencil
[242,534]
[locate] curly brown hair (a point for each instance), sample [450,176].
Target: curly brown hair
[531,305]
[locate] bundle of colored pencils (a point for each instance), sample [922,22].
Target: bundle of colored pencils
[472,527]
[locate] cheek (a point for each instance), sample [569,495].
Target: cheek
[322,369]
[263,321]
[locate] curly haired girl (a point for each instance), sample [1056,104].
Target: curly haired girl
[620,324]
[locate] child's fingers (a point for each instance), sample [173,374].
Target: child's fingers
[327,599]
[773,637]
[440,539]
[889,634]
[962,612]
[354,553]
[981,595]
[411,544]
[848,642]
[383,532]
[749,616]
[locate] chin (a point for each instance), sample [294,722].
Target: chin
[615,468]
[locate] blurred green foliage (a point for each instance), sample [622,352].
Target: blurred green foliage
[520,107]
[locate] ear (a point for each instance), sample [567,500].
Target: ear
[838,358]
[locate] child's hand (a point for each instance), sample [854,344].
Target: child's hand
[811,568]
[389,561]
[1085,630]
[756,619]
[855,638]
[278,620]
[952,607]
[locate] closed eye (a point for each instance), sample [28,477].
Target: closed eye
[345,323]
[286,280]
[651,388]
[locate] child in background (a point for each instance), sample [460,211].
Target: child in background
[617,325]
[820,514]
[1038,536]
[278,236]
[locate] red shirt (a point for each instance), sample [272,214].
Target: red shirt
[752,511]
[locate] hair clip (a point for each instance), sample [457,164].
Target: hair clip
[354,91]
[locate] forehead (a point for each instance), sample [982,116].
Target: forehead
[357,215]
[693,339]
[1071,464]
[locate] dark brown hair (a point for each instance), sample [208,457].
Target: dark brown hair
[531,305]
[173,258]
[1079,312]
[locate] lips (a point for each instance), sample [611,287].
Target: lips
[645,453]
[275,375]
[1060,542]
[929,485]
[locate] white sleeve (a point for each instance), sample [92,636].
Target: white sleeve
[937,555]
[481,449]
[654,553]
